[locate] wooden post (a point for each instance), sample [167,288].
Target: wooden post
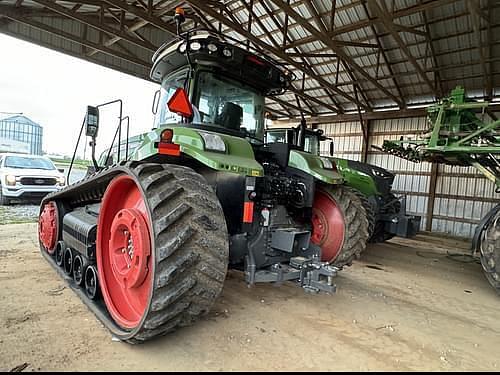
[432,196]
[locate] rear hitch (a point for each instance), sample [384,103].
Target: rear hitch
[312,274]
[315,276]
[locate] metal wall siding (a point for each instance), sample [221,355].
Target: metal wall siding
[346,147]
[463,196]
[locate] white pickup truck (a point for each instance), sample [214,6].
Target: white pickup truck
[27,177]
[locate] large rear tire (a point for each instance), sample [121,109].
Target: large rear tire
[490,251]
[340,224]
[162,249]
[369,210]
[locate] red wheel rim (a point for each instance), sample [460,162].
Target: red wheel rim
[48,227]
[328,226]
[124,261]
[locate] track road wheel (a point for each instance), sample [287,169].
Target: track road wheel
[340,224]
[48,227]
[490,251]
[162,249]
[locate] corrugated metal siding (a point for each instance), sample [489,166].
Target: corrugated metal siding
[412,179]
[347,137]
[462,197]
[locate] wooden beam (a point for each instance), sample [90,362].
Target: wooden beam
[439,83]
[432,196]
[70,52]
[200,4]
[332,44]
[300,54]
[95,24]
[349,71]
[332,15]
[79,40]
[143,15]
[351,117]
[290,105]
[384,55]
[389,26]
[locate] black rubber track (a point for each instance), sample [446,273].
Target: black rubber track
[356,223]
[190,242]
[490,251]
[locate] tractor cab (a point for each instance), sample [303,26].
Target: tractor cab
[312,138]
[209,84]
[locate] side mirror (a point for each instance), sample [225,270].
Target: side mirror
[60,170]
[331,148]
[92,121]
[156,102]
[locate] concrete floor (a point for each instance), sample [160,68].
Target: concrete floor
[403,306]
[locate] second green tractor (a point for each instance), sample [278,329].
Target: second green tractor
[386,213]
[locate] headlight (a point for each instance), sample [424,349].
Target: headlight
[227,52]
[212,47]
[327,163]
[182,48]
[195,46]
[213,142]
[378,172]
[61,180]
[10,180]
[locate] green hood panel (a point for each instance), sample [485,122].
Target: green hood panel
[356,179]
[238,157]
[312,165]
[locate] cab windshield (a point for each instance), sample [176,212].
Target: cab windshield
[232,105]
[219,102]
[276,136]
[312,144]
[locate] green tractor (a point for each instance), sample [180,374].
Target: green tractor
[386,213]
[145,240]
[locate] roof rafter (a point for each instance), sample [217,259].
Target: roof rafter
[384,55]
[331,43]
[200,4]
[78,39]
[52,5]
[382,14]
[349,71]
[299,54]
[476,15]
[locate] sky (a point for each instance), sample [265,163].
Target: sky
[54,89]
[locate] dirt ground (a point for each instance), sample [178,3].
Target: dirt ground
[403,306]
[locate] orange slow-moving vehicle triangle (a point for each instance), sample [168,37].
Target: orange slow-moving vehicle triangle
[179,103]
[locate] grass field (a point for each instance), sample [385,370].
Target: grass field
[76,164]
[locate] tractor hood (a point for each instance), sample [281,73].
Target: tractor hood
[316,166]
[218,151]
